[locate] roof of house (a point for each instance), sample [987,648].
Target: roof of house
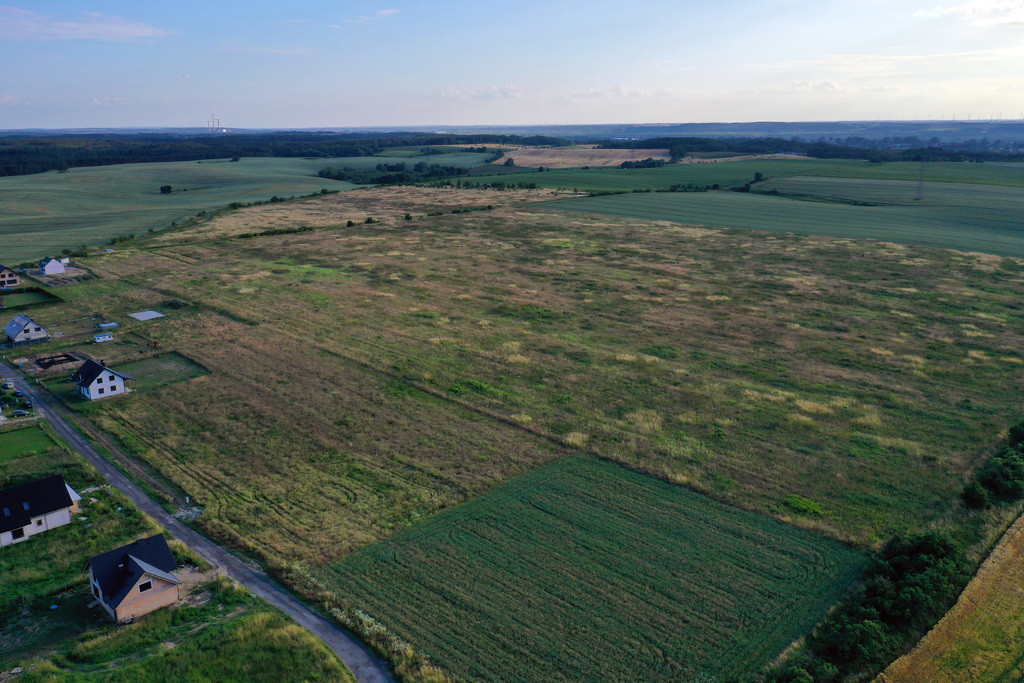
[117,571]
[18,324]
[90,370]
[49,260]
[19,504]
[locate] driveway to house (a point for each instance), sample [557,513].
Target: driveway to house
[365,665]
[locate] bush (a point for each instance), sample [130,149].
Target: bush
[976,496]
[165,189]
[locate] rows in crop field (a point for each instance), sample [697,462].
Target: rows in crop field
[904,192]
[996,230]
[585,570]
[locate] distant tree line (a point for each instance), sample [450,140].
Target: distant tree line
[24,154]
[643,163]
[907,148]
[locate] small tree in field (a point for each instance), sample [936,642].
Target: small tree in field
[165,189]
[510,162]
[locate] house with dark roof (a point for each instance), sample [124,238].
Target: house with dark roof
[135,579]
[96,380]
[51,266]
[24,330]
[34,507]
[8,278]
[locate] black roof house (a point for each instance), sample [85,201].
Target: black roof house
[19,504]
[117,571]
[90,370]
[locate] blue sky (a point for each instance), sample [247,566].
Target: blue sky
[391,63]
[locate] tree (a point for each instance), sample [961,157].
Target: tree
[165,189]
[510,162]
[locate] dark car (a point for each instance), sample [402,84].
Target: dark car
[20,413]
[19,393]
[28,403]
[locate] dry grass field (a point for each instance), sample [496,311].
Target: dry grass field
[365,377]
[982,637]
[574,157]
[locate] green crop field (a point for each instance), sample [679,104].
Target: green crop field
[44,213]
[584,570]
[969,218]
[161,370]
[730,173]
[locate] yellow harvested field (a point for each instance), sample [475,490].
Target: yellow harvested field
[574,157]
[982,637]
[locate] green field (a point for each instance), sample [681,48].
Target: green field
[584,570]
[161,370]
[43,213]
[965,217]
[730,173]
[16,443]
[19,299]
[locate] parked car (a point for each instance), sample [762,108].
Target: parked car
[8,384]
[20,413]
[19,393]
[28,403]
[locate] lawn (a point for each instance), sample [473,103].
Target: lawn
[731,173]
[46,212]
[16,443]
[584,570]
[971,218]
[22,299]
[224,634]
[159,371]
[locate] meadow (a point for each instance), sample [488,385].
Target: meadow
[585,570]
[728,173]
[161,370]
[43,213]
[967,217]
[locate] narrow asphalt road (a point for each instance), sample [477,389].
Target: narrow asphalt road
[366,666]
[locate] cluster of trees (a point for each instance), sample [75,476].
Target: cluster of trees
[643,163]
[1001,480]
[23,154]
[906,590]
[392,174]
[484,185]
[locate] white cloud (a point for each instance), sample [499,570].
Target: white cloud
[20,24]
[386,13]
[982,13]
[491,92]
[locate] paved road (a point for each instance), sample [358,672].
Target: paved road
[366,666]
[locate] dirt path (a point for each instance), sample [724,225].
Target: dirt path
[364,665]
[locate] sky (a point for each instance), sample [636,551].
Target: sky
[310,63]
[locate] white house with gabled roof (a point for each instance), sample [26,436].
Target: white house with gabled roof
[24,330]
[96,380]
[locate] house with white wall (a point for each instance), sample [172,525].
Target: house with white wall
[134,579]
[51,266]
[96,380]
[34,507]
[24,330]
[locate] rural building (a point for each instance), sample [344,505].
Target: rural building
[51,266]
[24,330]
[8,278]
[96,380]
[135,579]
[34,507]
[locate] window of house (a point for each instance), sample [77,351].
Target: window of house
[39,329]
[39,522]
[100,390]
[111,378]
[25,505]
[7,512]
[18,533]
[99,379]
[145,586]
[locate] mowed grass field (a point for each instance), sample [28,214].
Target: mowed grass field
[43,213]
[584,570]
[730,173]
[161,370]
[16,443]
[982,637]
[981,218]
